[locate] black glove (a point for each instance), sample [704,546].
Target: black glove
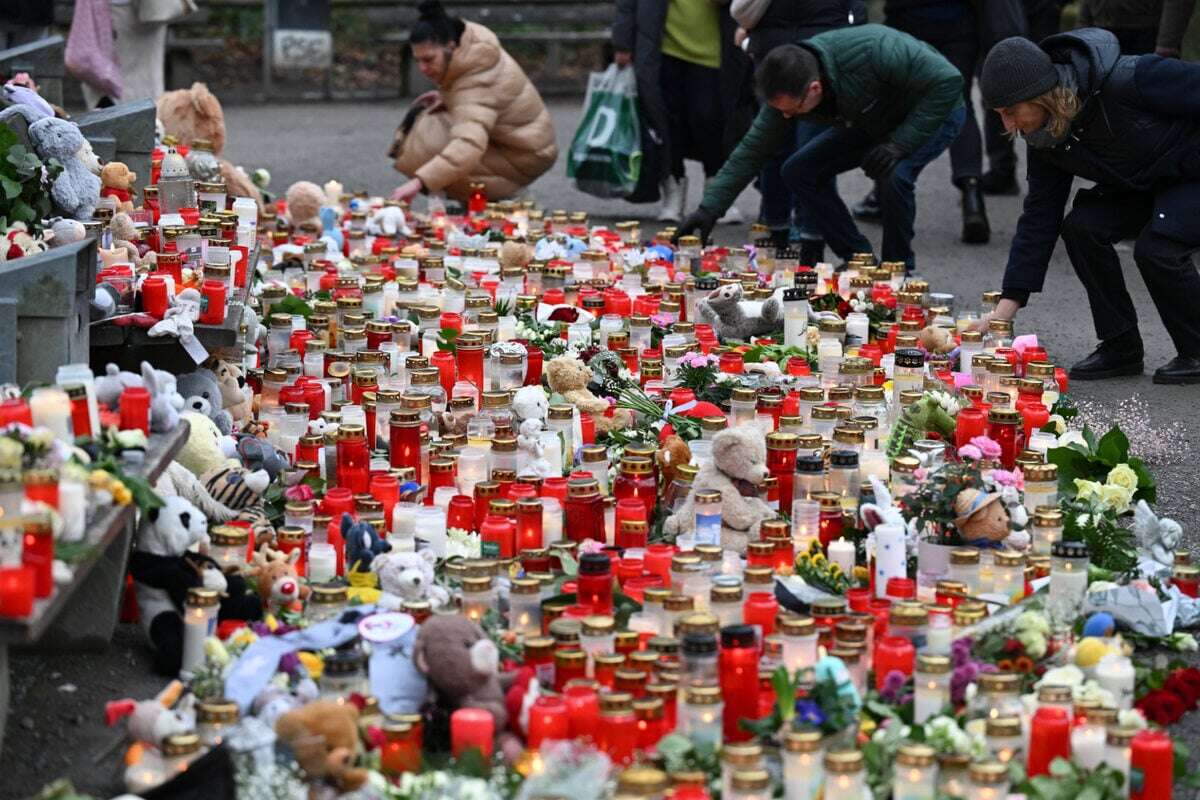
[881,160]
[700,222]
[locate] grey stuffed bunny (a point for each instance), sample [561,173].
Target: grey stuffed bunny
[731,318]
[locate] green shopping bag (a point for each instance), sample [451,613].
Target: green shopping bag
[605,158]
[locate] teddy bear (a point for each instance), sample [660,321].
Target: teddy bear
[388,221]
[241,490]
[462,667]
[981,515]
[304,203]
[673,454]
[195,113]
[515,254]
[202,394]
[936,340]
[569,376]
[118,182]
[406,577]
[737,469]
[164,566]
[362,544]
[733,318]
[323,736]
[279,584]
[202,453]
[76,190]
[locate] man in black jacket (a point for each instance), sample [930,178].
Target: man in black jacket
[1131,124]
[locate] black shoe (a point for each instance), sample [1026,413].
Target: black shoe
[867,209]
[975,229]
[999,183]
[1179,370]
[1109,360]
[812,251]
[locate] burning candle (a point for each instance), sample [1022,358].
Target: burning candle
[583,706]
[401,751]
[931,687]
[803,771]
[841,552]
[1050,738]
[199,622]
[891,557]
[1150,766]
[549,719]
[471,728]
[915,773]
[51,409]
[739,679]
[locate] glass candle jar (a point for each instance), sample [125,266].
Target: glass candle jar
[353,458]
[908,372]
[842,479]
[477,597]
[635,480]
[987,780]
[750,784]
[699,651]
[583,511]
[799,643]
[594,583]
[964,568]
[844,775]
[915,773]
[326,601]
[1008,575]
[743,407]
[1041,487]
[735,757]
[707,507]
[343,676]
[738,679]
[1068,582]
[803,770]
[1005,739]
[931,683]
[702,713]
[1004,427]
[725,602]
[1047,529]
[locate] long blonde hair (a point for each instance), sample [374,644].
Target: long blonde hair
[1061,105]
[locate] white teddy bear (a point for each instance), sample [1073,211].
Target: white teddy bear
[530,404]
[407,577]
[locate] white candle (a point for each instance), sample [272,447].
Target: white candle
[802,769]
[841,552]
[1087,745]
[472,468]
[552,520]
[891,557]
[72,505]
[931,685]
[146,774]
[322,563]
[914,783]
[51,409]
[199,622]
[1116,674]
[430,527]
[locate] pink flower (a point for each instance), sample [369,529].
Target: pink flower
[987,446]
[699,360]
[1005,477]
[590,546]
[970,451]
[299,493]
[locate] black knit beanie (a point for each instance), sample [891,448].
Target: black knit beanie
[1015,70]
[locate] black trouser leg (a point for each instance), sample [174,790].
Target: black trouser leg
[693,98]
[1097,221]
[1174,285]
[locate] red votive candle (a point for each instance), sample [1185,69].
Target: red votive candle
[549,719]
[1150,766]
[583,706]
[1050,738]
[471,728]
[738,673]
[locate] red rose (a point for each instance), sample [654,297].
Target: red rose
[889,301]
[1187,692]
[1013,647]
[1162,707]
[1190,675]
[565,314]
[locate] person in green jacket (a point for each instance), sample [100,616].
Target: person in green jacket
[892,104]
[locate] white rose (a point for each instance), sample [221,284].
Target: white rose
[1072,438]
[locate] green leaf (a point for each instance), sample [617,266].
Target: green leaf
[11,188]
[1090,793]
[1061,768]
[1113,447]
[22,212]
[291,304]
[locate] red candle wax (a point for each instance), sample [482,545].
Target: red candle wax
[471,728]
[1150,766]
[617,735]
[892,653]
[657,561]
[970,422]
[583,705]
[549,719]
[386,489]
[555,487]
[858,599]
[760,609]
[738,673]
[135,409]
[1050,738]
[498,537]
[16,592]
[38,554]
[337,501]
[461,513]
[595,589]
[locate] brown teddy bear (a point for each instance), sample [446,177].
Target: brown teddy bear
[936,340]
[118,180]
[673,454]
[569,376]
[304,199]
[737,469]
[462,665]
[981,516]
[323,735]
[195,113]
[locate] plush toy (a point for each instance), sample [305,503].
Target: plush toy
[66,231]
[362,543]
[388,221]
[150,722]
[201,453]
[462,664]
[202,394]
[242,490]
[114,381]
[164,568]
[19,242]
[733,318]
[124,233]
[259,454]
[231,379]
[737,469]
[76,190]
[530,405]
[164,413]
[323,737]
[279,585]
[331,233]
[569,376]
[280,697]
[304,203]
[118,182]
[191,114]
[936,340]
[515,254]
[981,515]
[673,454]
[406,577]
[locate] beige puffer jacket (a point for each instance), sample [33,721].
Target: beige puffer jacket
[495,128]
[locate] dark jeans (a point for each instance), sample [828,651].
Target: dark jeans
[1001,158]
[1100,218]
[958,41]
[694,118]
[812,171]
[781,208]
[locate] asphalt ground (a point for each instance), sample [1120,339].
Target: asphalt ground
[56,725]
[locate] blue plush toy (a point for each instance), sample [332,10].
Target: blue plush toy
[1099,624]
[362,544]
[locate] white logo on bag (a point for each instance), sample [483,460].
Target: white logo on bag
[598,135]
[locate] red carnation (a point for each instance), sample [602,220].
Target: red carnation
[889,301]
[1162,707]
[1187,692]
[1013,646]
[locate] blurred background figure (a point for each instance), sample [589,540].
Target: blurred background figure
[24,21]
[1141,26]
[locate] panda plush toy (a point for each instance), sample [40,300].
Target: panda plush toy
[165,564]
